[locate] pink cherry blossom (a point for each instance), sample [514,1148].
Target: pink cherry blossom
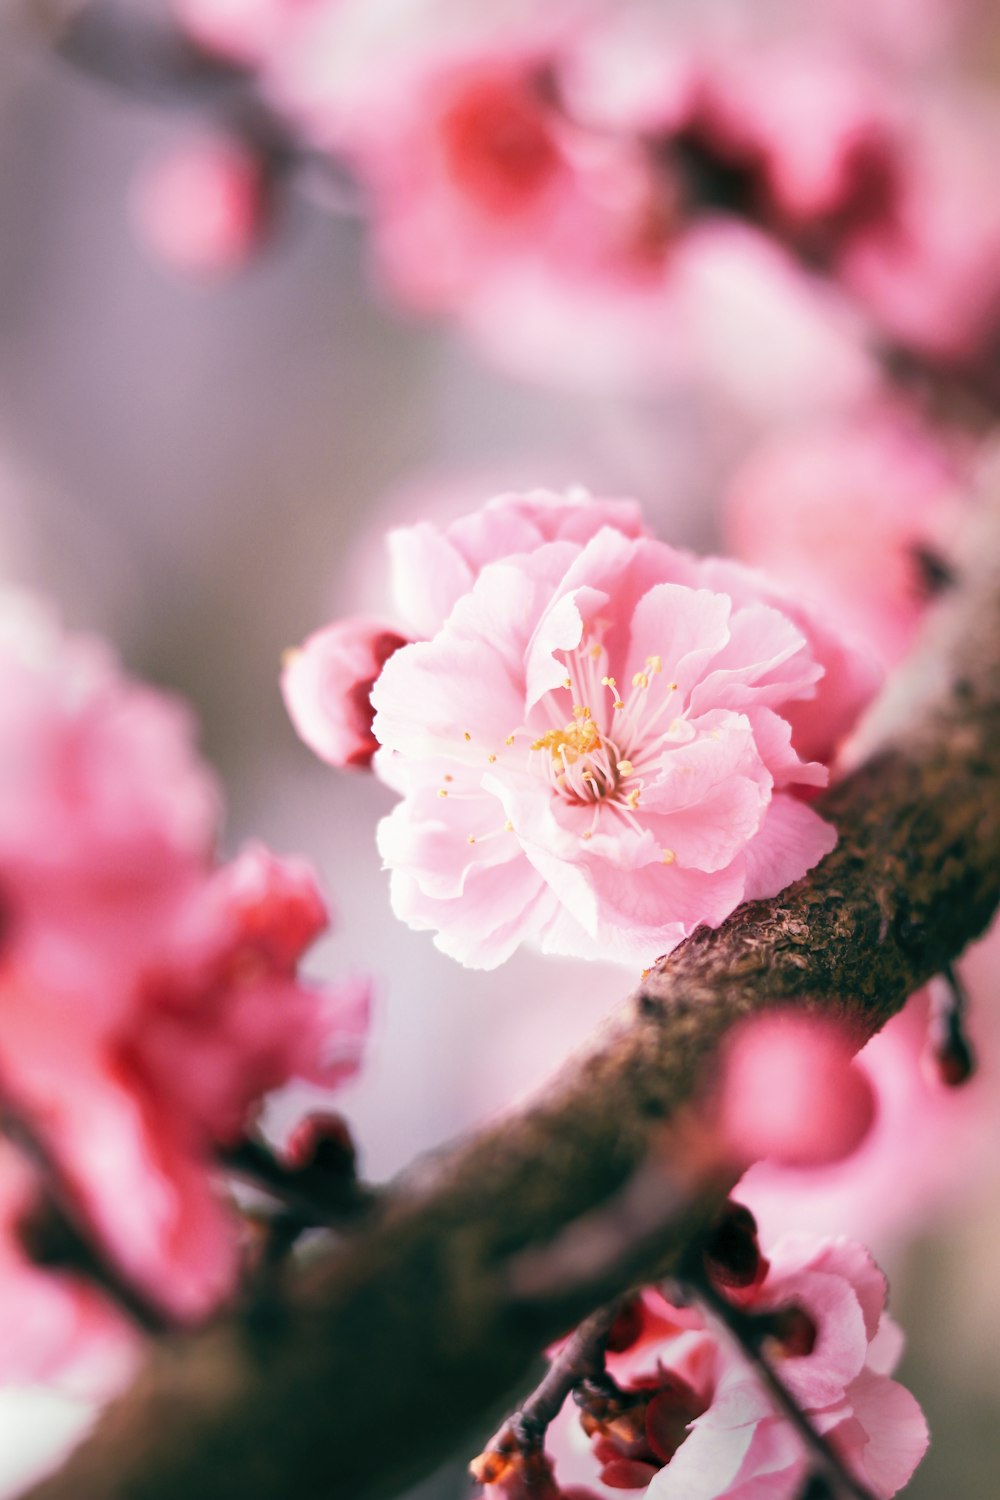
[852,514]
[594,751]
[715,1433]
[149,998]
[247,31]
[839,1375]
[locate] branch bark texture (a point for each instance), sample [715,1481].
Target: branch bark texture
[413,1330]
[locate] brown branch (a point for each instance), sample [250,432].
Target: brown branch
[412,1332]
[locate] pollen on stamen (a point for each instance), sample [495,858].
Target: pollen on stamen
[442,792]
[608,682]
[508,827]
[640,680]
[618,703]
[581,711]
[667,857]
[588,835]
[466,735]
[633,798]
[471,839]
[509,740]
[672,686]
[654,663]
[490,759]
[567,682]
[595,652]
[625,767]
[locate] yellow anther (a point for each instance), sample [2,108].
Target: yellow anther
[618,703]
[442,793]
[640,680]
[595,652]
[667,857]
[654,663]
[567,682]
[471,839]
[466,735]
[581,711]
[508,827]
[509,740]
[588,835]
[448,776]
[633,798]
[645,973]
[672,686]
[490,759]
[625,767]
[608,682]
[587,775]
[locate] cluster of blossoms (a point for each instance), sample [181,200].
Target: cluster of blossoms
[148,995]
[635,193]
[685,1416]
[600,742]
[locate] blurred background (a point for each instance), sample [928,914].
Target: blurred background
[204,472]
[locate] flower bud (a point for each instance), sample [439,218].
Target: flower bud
[792,1092]
[327,686]
[203,207]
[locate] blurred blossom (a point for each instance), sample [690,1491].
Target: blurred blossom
[789,1091]
[203,207]
[149,997]
[859,515]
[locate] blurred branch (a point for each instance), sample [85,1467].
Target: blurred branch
[413,1331]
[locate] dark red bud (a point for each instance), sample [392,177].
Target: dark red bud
[322,1143]
[732,1254]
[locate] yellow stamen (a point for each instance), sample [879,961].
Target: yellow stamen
[442,793]
[633,798]
[471,839]
[509,740]
[654,663]
[466,735]
[618,703]
[668,856]
[508,827]
[608,682]
[625,767]
[581,711]
[672,686]
[595,652]
[588,835]
[640,680]
[567,682]
[490,759]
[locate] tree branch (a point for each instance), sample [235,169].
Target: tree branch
[413,1331]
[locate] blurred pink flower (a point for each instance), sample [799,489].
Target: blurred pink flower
[202,208]
[789,1090]
[857,515]
[705,1428]
[594,748]
[148,998]
[246,31]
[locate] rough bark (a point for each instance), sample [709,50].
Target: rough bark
[411,1332]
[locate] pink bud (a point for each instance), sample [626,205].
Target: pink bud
[791,1091]
[327,688]
[202,208]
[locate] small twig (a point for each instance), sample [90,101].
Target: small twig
[748,1331]
[60,1236]
[948,1040]
[580,1360]
[317,1198]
